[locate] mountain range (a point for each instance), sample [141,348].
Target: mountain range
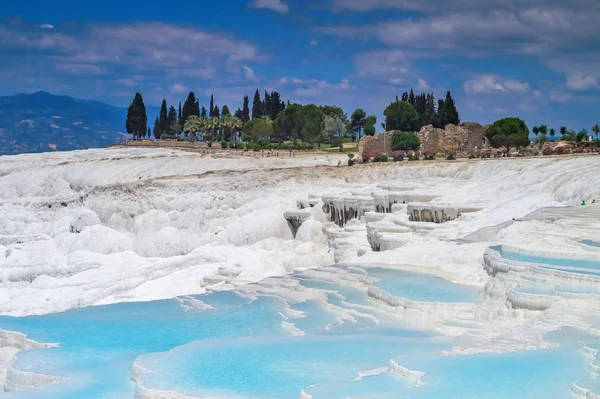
[41,122]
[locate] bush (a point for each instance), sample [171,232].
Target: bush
[562,150]
[209,144]
[219,137]
[405,141]
[578,150]
[450,157]
[380,158]
[428,156]
[350,162]
[223,144]
[398,156]
[336,142]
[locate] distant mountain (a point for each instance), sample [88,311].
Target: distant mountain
[41,122]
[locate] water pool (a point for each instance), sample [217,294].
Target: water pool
[559,262]
[422,287]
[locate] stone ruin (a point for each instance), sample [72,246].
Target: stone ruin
[461,140]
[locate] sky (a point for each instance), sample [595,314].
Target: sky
[534,59]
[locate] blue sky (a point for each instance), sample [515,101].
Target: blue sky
[535,59]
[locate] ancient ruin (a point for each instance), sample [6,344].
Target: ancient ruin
[463,139]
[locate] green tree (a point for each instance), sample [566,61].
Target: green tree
[582,135]
[203,113]
[508,132]
[216,112]
[310,119]
[406,141]
[190,107]
[156,129]
[163,118]
[596,130]
[552,132]
[287,123]
[136,121]
[225,111]
[192,126]
[261,130]
[247,129]
[563,131]
[149,133]
[245,116]
[267,107]
[401,115]
[257,111]
[535,130]
[450,111]
[358,120]
[369,127]
[543,129]
[211,109]
[411,97]
[172,121]
[369,130]
[333,126]
[333,111]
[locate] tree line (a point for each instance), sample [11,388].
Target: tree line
[272,119]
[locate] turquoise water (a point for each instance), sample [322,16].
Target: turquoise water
[591,243]
[420,287]
[559,262]
[239,349]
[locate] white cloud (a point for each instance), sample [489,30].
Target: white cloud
[178,89]
[384,63]
[422,84]
[559,97]
[313,42]
[283,81]
[296,81]
[248,72]
[126,82]
[275,5]
[320,87]
[579,82]
[489,83]
[80,69]
[46,26]
[395,81]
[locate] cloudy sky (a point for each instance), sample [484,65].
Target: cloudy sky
[536,59]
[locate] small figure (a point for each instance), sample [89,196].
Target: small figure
[593,201]
[583,203]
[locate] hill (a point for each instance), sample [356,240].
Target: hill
[42,122]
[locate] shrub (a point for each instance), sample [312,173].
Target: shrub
[223,144]
[578,150]
[398,156]
[450,157]
[350,162]
[486,153]
[336,142]
[209,144]
[219,137]
[428,156]
[472,156]
[256,147]
[562,150]
[380,158]
[405,141]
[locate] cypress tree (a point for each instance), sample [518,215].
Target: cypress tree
[149,133]
[451,111]
[211,108]
[172,120]
[179,115]
[225,111]
[238,114]
[136,121]
[397,98]
[245,115]
[411,97]
[441,118]
[405,96]
[275,104]
[196,108]
[256,106]
[267,109]
[190,107]
[163,119]
[157,132]
[216,112]
[203,113]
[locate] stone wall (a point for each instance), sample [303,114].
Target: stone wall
[461,139]
[381,143]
